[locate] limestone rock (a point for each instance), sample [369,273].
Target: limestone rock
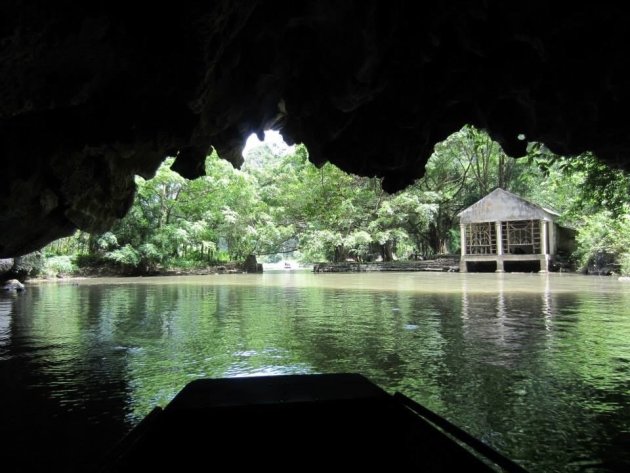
[93,93]
[5,265]
[13,285]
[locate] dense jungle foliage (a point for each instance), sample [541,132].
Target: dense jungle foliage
[279,205]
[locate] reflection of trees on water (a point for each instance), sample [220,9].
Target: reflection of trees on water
[6,310]
[508,366]
[61,402]
[483,359]
[534,371]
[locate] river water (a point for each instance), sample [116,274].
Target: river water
[537,366]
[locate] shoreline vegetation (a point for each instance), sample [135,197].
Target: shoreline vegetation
[96,273]
[280,207]
[441,263]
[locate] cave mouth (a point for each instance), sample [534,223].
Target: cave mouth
[361,85]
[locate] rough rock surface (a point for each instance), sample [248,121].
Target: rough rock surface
[5,265]
[12,285]
[92,93]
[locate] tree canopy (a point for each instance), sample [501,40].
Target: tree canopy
[279,203]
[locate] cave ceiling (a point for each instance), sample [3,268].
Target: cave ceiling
[93,93]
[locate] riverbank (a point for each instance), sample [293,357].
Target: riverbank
[441,264]
[70,270]
[38,267]
[112,272]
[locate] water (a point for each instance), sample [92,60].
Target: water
[536,366]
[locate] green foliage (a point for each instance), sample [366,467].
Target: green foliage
[280,203]
[106,242]
[603,236]
[592,198]
[583,182]
[624,263]
[57,266]
[30,265]
[126,256]
[463,168]
[88,260]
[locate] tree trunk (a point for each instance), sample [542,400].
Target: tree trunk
[387,251]
[341,254]
[251,265]
[434,238]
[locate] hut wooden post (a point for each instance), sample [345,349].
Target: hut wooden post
[497,226]
[462,239]
[543,246]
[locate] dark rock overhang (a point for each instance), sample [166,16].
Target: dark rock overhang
[93,93]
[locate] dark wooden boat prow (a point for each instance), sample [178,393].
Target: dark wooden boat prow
[298,423]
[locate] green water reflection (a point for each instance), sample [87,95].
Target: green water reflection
[537,366]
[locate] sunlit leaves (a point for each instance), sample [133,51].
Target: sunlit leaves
[279,202]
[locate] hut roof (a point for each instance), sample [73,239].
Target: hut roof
[504,206]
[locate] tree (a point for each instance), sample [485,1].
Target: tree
[462,169]
[279,202]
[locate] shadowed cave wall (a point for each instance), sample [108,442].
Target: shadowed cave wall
[93,93]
